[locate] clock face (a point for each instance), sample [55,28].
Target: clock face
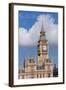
[44,47]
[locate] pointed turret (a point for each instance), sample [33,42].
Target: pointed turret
[42,33]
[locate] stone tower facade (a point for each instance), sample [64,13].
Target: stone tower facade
[42,48]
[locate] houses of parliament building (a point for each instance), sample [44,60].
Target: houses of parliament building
[43,67]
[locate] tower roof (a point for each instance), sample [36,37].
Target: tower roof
[42,30]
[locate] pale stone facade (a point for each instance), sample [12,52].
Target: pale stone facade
[43,67]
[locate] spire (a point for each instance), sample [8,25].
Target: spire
[24,63]
[42,28]
[42,33]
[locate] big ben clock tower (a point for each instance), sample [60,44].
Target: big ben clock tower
[44,66]
[42,48]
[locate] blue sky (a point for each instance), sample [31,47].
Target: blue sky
[27,20]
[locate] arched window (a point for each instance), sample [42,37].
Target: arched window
[48,74]
[43,75]
[40,75]
[22,76]
[37,75]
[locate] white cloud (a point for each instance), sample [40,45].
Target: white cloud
[30,37]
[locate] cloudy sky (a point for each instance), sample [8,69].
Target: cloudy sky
[30,24]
